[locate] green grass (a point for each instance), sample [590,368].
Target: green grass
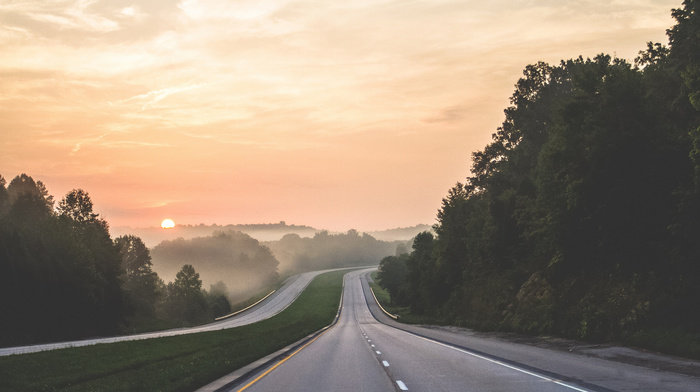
[178,363]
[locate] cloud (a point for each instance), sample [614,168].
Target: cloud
[281,89]
[452,114]
[79,145]
[155,96]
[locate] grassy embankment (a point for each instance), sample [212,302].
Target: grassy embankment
[178,363]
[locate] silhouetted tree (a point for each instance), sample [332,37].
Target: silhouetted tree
[186,302]
[392,277]
[53,267]
[141,286]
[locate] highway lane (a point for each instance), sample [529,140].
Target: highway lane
[335,361]
[273,305]
[362,354]
[593,374]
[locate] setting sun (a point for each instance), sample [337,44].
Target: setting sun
[167,224]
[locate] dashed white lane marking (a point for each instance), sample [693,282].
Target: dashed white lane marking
[379,353]
[401,385]
[373,345]
[385,363]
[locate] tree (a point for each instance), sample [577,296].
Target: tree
[136,259]
[420,273]
[66,273]
[25,185]
[187,282]
[4,197]
[29,202]
[77,206]
[186,302]
[392,276]
[141,285]
[103,257]
[217,300]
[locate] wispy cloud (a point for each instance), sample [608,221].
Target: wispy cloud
[155,96]
[78,146]
[283,90]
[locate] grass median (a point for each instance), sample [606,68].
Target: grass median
[177,363]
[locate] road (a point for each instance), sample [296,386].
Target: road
[266,309]
[360,353]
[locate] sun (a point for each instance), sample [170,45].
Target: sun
[167,224]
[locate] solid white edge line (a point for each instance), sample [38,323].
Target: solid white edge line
[401,385]
[558,382]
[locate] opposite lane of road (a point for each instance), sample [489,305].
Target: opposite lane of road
[273,305]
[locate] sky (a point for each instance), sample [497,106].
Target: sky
[334,114]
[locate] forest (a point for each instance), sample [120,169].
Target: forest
[63,277]
[581,218]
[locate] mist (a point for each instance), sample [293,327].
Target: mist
[325,250]
[234,258]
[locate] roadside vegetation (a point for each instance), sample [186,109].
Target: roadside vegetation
[581,217]
[59,263]
[179,363]
[403,312]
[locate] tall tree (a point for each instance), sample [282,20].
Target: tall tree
[141,285]
[186,302]
[77,206]
[4,197]
[392,277]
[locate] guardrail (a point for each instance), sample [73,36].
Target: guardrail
[395,317]
[243,310]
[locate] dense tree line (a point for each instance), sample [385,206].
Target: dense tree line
[63,277]
[582,216]
[324,250]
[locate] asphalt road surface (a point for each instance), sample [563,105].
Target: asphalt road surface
[366,352]
[273,305]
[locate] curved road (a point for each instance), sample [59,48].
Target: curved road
[274,304]
[360,353]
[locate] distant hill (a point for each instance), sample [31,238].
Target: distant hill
[234,258]
[153,236]
[400,234]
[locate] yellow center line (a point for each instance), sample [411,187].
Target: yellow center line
[281,362]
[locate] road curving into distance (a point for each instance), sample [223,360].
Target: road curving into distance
[368,351]
[271,306]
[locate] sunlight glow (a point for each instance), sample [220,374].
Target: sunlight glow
[167,224]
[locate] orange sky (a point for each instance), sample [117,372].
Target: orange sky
[334,114]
